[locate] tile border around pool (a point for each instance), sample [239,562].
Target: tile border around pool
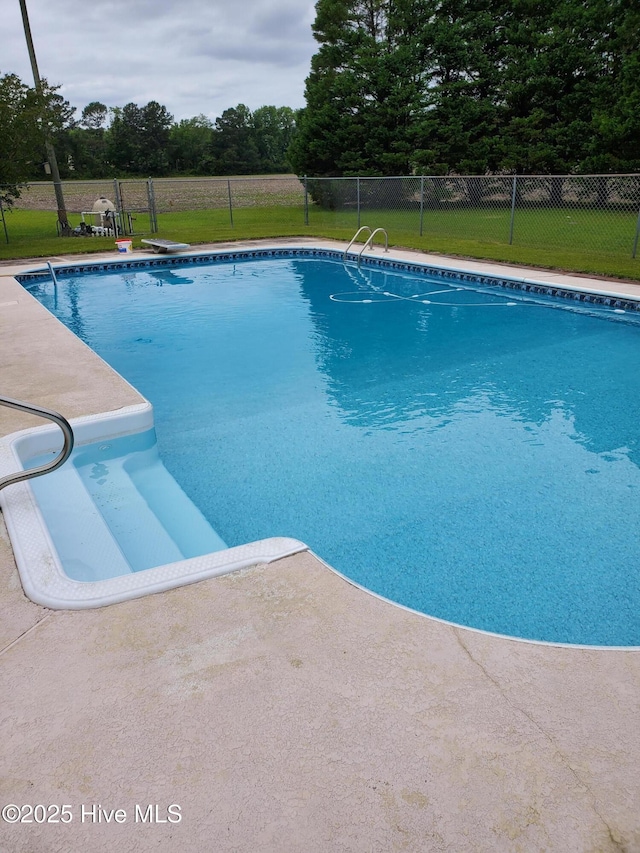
[449,273]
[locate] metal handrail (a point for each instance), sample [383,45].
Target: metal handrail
[370,242]
[354,238]
[52,273]
[67,447]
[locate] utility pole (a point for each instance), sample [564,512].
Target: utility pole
[65,228]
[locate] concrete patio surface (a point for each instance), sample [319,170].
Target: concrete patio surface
[280,708]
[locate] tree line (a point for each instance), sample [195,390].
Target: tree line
[474,87]
[146,141]
[397,87]
[133,140]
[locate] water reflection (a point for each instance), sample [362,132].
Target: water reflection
[389,361]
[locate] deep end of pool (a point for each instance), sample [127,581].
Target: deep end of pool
[111,523]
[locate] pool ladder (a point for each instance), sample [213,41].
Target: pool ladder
[368,242]
[62,457]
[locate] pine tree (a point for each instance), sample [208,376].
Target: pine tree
[471,87]
[363,90]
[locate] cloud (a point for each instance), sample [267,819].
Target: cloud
[193,56]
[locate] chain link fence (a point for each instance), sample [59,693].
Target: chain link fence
[133,199]
[595,213]
[139,201]
[232,195]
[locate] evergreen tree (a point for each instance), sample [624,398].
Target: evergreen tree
[615,144]
[472,87]
[138,139]
[94,115]
[365,86]
[233,146]
[87,142]
[190,146]
[554,80]
[457,130]
[273,129]
[88,152]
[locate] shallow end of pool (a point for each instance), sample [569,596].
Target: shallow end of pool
[41,571]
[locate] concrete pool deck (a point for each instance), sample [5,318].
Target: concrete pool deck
[282,708]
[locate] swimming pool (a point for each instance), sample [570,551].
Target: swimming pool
[465,450]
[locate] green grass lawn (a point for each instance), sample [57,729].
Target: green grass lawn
[584,241]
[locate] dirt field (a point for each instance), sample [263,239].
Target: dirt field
[170,194]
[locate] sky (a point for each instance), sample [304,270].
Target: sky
[193,56]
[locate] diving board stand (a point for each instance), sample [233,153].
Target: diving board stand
[165,245]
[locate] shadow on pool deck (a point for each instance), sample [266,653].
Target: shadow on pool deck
[285,710]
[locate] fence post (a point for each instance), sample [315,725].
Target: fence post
[117,197]
[306,202]
[635,242]
[421,202]
[358,186]
[513,207]
[4,223]
[153,221]
[230,203]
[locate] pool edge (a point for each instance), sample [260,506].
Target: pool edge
[426,263]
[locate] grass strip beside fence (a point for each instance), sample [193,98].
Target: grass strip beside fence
[572,240]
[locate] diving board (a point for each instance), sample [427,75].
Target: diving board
[166,245]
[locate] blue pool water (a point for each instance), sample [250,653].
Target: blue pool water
[471,454]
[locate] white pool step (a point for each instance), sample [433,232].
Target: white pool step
[92,553]
[113,518]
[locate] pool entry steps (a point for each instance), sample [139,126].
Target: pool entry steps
[112,523]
